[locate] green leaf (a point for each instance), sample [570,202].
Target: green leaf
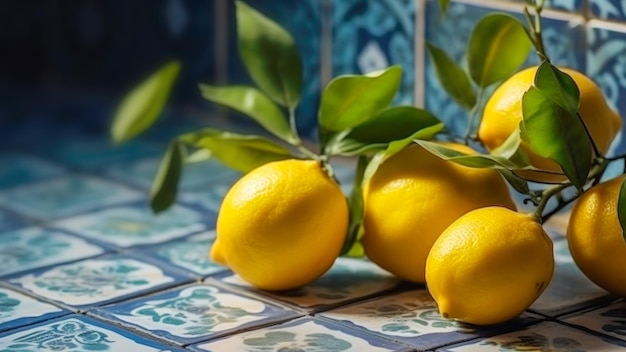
[621,207]
[555,133]
[470,160]
[165,184]
[558,86]
[388,125]
[511,150]
[355,202]
[270,55]
[252,102]
[143,105]
[452,77]
[241,152]
[498,46]
[350,100]
[518,183]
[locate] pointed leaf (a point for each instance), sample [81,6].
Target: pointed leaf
[242,152]
[511,150]
[470,160]
[143,105]
[251,102]
[621,207]
[355,202]
[497,47]
[270,55]
[165,184]
[558,87]
[350,100]
[452,77]
[552,132]
[518,183]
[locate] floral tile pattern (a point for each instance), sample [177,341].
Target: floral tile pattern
[128,226]
[189,254]
[544,337]
[194,313]
[609,320]
[24,169]
[17,310]
[34,247]
[411,317]
[348,280]
[97,281]
[68,195]
[306,335]
[569,289]
[75,333]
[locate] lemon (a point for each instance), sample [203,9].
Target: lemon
[503,113]
[282,225]
[413,197]
[489,266]
[595,237]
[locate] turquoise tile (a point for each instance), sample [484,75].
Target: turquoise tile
[76,333]
[17,309]
[135,224]
[194,313]
[10,221]
[372,35]
[18,169]
[34,247]
[65,196]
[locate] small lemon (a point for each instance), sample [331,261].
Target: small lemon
[413,197]
[503,113]
[489,266]
[282,225]
[595,237]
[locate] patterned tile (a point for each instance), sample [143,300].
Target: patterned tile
[570,289]
[372,35]
[209,199]
[64,196]
[17,309]
[97,281]
[19,169]
[306,334]
[605,65]
[547,336]
[412,318]
[33,248]
[347,281]
[189,254]
[609,320]
[608,9]
[75,333]
[133,225]
[195,313]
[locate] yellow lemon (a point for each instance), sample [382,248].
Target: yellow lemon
[413,197]
[489,266]
[503,113]
[595,237]
[282,225]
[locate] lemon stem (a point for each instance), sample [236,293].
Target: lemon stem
[297,143]
[535,32]
[473,115]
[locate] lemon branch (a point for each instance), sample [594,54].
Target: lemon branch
[473,115]
[534,25]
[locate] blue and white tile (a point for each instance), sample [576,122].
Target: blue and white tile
[606,59]
[18,169]
[64,196]
[96,153]
[412,318]
[575,6]
[609,320]
[17,309]
[194,313]
[31,248]
[305,335]
[10,221]
[208,199]
[608,9]
[190,254]
[569,289]
[97,281]
[548,336]
[134,225]
[348,280]
[76,333]
[373,35]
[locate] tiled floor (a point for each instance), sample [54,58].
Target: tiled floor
[84,266]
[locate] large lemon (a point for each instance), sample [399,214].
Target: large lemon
[413,197]
[282,225]
[503,113]
[489,266]
[595,237]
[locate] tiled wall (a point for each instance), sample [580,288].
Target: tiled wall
[107,46]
